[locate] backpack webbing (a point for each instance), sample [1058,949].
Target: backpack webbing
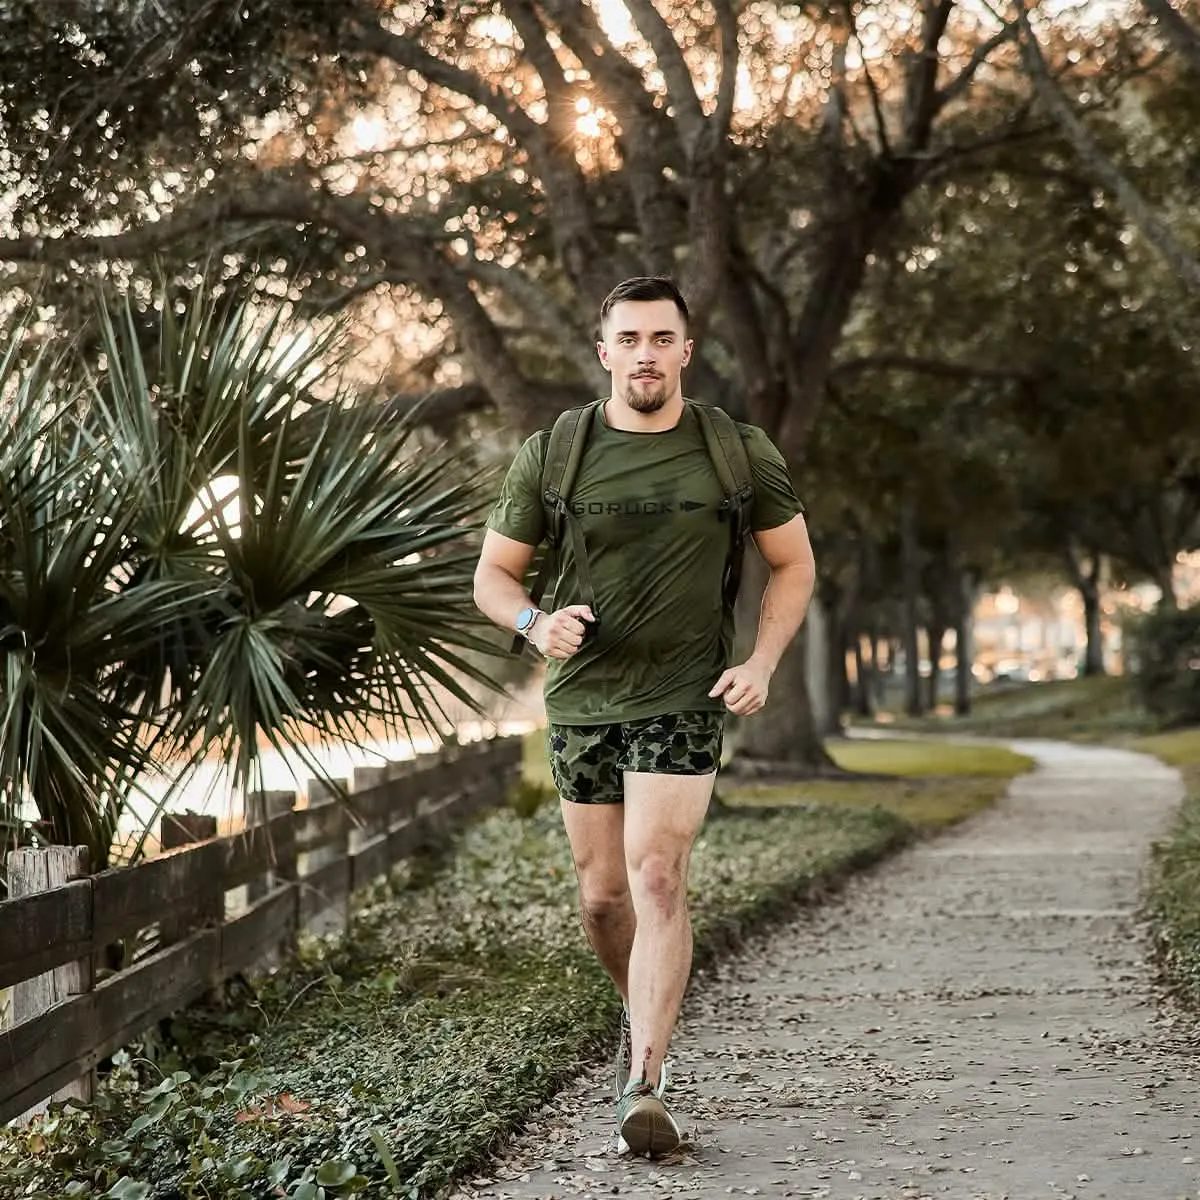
[564,454]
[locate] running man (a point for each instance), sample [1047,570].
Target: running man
[639,677]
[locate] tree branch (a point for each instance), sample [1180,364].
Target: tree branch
[920,92]
[648,140]
[405,51]
[1182,38]
[1102,167]
[727,30]
[873,90]
[681,88]
[958,86]
[541,55]
[708,206]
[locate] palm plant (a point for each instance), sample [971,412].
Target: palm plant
[209,545]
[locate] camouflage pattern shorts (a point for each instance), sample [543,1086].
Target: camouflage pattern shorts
[588,761]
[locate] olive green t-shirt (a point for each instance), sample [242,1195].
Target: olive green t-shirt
[656,549]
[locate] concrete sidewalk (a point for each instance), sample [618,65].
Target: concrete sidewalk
[974,1020]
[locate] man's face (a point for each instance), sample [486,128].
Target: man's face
[646,348]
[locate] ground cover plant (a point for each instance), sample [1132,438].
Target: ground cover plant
[1173,893]
[398,1058]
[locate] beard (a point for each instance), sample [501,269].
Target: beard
[646,395]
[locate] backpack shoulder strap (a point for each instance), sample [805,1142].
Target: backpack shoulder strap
[727,450]
[564,453]
[725,447]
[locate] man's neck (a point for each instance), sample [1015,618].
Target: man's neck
[618,415]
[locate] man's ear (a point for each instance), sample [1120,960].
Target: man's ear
[602,351]
[687,351]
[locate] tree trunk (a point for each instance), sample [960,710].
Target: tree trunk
[964,642]
[937,636]
[786,731]
[910,570]
[1093,658]
[1165,578]
[1085,570]
[864,679]
[837,679]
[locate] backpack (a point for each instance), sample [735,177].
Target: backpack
[564,453]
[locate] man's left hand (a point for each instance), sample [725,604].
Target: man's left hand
[744,688]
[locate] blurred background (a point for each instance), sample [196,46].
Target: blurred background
[946,254]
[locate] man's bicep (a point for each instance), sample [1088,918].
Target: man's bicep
[786,545]
[506,554]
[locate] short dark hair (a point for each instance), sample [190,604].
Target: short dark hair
[644,287]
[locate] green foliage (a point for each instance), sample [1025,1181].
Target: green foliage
[1167,651]
[209,545]
[1174,894]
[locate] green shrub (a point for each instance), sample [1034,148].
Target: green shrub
[1167,651]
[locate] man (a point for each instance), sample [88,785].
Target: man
[637,687]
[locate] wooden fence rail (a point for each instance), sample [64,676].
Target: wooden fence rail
[220,907]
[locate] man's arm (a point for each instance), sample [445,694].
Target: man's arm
[788,553]
[500,595]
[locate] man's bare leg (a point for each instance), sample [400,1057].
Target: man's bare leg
[596,834]
[663,814]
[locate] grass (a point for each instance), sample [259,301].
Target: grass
[938,783]
[1099,709]
[1173,893]
[397,1059]
[1179,747]
[917,759]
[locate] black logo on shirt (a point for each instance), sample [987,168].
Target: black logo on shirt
[633,508]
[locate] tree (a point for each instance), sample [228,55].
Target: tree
[208,546]
[1102,163]
[543,155]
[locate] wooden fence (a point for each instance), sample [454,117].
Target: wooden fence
[217,908]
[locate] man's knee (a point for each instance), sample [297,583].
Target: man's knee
[658,879]
[603,903]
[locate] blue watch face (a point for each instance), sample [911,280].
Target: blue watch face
[525,619]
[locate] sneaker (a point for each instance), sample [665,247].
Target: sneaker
[624,1063]
[645,1125]
[624,1060]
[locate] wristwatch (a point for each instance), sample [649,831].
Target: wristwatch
[525,620]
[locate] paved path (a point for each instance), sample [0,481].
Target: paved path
[974,1020]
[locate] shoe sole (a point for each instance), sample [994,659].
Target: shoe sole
[649,1129]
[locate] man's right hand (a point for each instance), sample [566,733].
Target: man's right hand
[560,634]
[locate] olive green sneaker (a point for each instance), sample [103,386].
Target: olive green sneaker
[623,1065]
[644,1124]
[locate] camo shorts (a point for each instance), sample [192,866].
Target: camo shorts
[588,761]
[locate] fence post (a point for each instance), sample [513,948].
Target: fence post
[185,829]
[333,915]
[182,829]
[31,871]
[261,809]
